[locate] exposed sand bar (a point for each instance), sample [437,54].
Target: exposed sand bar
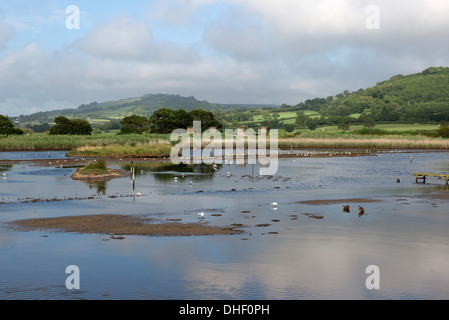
[121,225]
[337,201]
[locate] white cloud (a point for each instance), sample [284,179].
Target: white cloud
[253,51]
[120,38]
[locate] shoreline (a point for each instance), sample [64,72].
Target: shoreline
[306,153]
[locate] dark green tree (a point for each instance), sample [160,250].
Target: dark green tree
[134,124]
[289,127]
[345,123]
[206,117]
[311,123]
[81,127]
[163,121]
[7,127]
[65,126]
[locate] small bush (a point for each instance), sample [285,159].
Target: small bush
[100,164]
[443,132]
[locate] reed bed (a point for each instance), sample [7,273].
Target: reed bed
[374,142]
[44,142]
[153,145]
[138,150]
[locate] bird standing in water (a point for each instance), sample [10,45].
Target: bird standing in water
[361,211]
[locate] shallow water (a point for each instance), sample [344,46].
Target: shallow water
[293,256]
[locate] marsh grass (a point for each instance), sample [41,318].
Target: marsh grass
[159,145]
[96,167]
[44,142]
[137,150]
[364,142]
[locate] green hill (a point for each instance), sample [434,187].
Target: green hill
[144,106]
[418,97]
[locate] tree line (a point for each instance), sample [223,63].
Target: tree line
[166,120]
[162,121]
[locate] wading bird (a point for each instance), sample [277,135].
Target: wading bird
[361,211]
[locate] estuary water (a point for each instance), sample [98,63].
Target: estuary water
[291,251]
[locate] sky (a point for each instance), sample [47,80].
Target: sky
[222,51]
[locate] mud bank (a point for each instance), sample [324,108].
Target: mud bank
[337,201]
[120,225]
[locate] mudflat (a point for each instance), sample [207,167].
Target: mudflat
[121,225]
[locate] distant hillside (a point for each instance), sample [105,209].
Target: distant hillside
[145,106]
[418,97]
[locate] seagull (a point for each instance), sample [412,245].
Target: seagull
[201,214]
[274,204]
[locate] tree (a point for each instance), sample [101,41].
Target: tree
[65,126]
[345,123]
[206,117]
[166,120]
[7,127]
[39,128]
[81,127]
[289,127]
[301,118]
[443,132]
[134,124]
[311,124]
[163,121]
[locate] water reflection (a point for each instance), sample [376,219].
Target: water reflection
[167,172]
[99,186]
[405,234]
[5,167]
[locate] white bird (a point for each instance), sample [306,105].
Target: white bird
[201,214]
[191,182]
[274,204]
[138,194]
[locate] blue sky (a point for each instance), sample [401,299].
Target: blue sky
[229,51]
